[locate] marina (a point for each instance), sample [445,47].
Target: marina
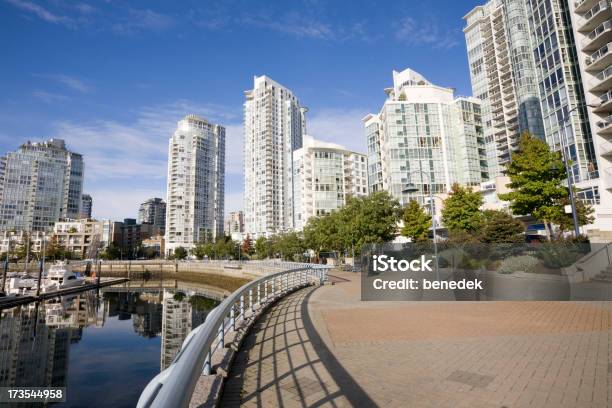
[90,339]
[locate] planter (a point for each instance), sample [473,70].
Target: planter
[526,286]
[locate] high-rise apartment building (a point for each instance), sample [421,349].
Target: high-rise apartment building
[273,127]
[503,75]
[562,98]
[86,206]
[153,211]
[40,183]
[592,29]
[467,142]
[324,174]
[196,183]
[417,138]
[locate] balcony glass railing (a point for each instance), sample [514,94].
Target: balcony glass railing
[605,122]
[598,30]
[602,5]
[606,97]
[606,73]
[594,57]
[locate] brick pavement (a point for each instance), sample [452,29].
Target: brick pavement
[323,347]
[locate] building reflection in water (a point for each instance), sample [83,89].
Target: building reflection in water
[35,338]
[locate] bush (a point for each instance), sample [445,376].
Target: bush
[524,263]
[563,252]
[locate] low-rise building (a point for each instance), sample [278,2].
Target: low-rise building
[157,243]
[84,237]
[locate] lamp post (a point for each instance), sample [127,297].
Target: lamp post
[411,188]
[570,177]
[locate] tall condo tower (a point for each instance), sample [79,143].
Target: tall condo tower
[40,183]
[503,74]
[273,127]
[196,183]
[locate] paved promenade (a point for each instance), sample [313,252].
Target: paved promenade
[324,347]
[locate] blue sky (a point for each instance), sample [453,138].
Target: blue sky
[113,77]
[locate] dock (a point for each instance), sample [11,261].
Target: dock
[12,301]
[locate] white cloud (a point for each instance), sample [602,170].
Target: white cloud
[425,32]
[49,97]
[142,20]
[126,163]
[339,126]
[74,83]
[41,12]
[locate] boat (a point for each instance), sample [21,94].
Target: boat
[22,284]
[60,276]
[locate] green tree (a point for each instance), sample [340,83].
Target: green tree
[536,178]
[111,252]
[363,220]
[179,253]
[462,210]
[499,227]
[416,222]
[24,247]
[261,248]
[202,250]
[321,233]
[565,221]
[225,248]
[290,246]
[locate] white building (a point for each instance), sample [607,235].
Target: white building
[324,174]
[40,183]
[503,76]
[592,30]
[196,173]
[234,225]
[273,127]
[417,138]
[467,142]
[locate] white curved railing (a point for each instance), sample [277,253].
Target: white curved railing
[174,386]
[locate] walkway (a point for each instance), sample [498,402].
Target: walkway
[323,347]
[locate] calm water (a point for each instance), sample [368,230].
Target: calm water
[104,348]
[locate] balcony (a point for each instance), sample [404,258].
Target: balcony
[604,126]
[581,6]
[605,103]
[597,38]
[595,16]
[599,59]
[602,81]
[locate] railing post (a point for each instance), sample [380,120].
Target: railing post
[251,300]
[233,318]
[242,306]
[207,363]
[259,294]
[222,333]
[266,290]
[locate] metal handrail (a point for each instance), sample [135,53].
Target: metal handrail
[174,386]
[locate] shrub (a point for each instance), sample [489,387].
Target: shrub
[563,252]
[524,263]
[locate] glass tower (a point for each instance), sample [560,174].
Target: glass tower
[40,184]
